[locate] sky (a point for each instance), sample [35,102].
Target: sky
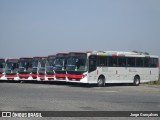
[44,27]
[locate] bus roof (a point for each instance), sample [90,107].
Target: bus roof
[62,53]
[40,57]
[77,52]
[25,57]
[2,58]
[51,55]
[13,59]
[122,53]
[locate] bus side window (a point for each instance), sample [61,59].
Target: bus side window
[92,63]
[102,61]
[112,61]
[139,62]
[122,61]
[146,62]
[131,62]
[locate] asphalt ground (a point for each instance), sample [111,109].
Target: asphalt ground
[74,97]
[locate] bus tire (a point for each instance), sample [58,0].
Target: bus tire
[101,82]
[136,81]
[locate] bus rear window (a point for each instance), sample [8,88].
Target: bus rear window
[154,62]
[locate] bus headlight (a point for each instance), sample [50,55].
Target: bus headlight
[84,76]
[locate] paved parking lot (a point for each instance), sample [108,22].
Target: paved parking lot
[62,97]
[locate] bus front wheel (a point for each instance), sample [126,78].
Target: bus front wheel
[101,82]
[136,81]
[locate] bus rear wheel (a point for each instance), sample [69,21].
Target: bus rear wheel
[136,81]
[101,82]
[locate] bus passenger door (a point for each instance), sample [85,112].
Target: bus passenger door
[92,72]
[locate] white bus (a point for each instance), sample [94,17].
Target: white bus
[25,68]
[50,64]
[11,69]
[60,66]
[2,68]
[36,66]
[111,67]
[46,70]
[42,69]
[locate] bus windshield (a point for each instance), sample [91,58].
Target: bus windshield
[50,61]
[12,64]
[2,63]
[76,62]
[25,63]
[35,62]
[59,62]
[43,63]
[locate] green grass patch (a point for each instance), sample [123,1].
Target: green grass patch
[154,82]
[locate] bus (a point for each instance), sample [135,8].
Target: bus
[11,69]
[101,67]
[42,69]
[159,68]
[25,68]
[2,69]
[60,66]
[35,66]
[50,65]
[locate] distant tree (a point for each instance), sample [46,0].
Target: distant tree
[135,51]
[145,53]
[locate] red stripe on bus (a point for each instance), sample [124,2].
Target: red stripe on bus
[1,75]
[74,76]
[49,75]
[60,75]
[41,76]
[34,75]
[11,76]
[24,75]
